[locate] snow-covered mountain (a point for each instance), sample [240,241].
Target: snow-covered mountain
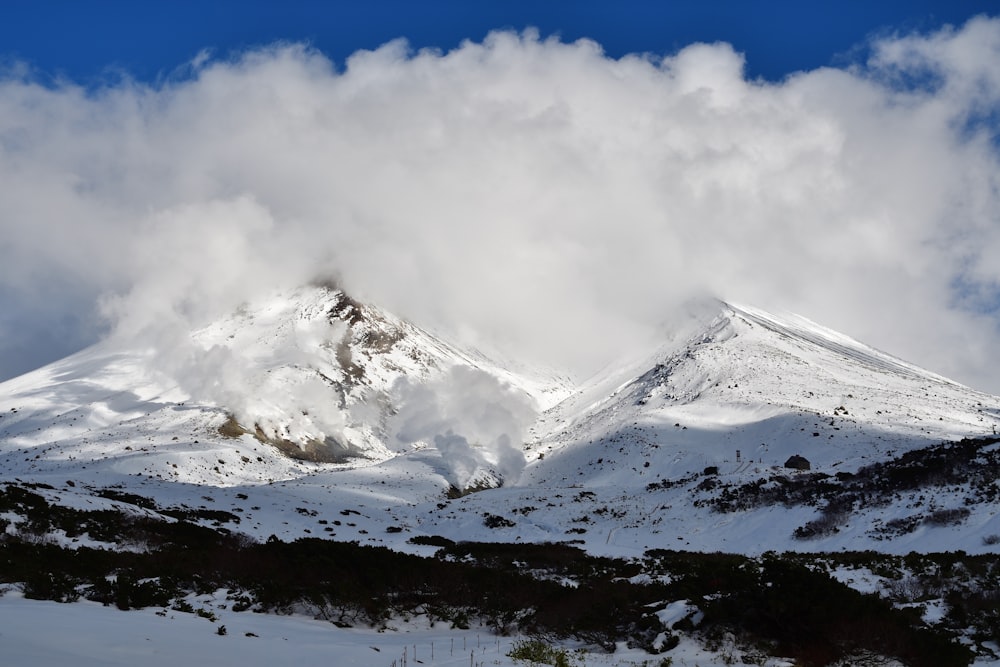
[767,387]
[309,413]
[311,376]
[667,442]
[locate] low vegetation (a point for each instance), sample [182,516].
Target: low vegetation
[538,652]
[970,465]
[784,605]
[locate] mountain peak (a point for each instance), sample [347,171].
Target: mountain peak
[745,374]
[810,334]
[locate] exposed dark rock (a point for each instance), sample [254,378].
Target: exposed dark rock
[797,462]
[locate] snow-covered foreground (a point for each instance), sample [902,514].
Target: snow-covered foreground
[87,634]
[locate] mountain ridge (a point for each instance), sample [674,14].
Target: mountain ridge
[737,393]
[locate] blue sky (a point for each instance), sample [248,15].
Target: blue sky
[86,40]
[541,195]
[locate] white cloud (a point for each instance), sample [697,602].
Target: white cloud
[527,192]
[475,421]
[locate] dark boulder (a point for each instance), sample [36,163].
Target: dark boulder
[797,462]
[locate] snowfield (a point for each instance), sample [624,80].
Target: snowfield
[91,634]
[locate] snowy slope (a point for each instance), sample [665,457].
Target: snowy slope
[743,394]
[766,386]
[312,374]
[618,466]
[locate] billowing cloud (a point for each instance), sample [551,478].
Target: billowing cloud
[476,422]
[529,194]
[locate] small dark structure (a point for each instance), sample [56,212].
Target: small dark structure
[798,462]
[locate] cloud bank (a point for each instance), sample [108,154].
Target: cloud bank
[528,194]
